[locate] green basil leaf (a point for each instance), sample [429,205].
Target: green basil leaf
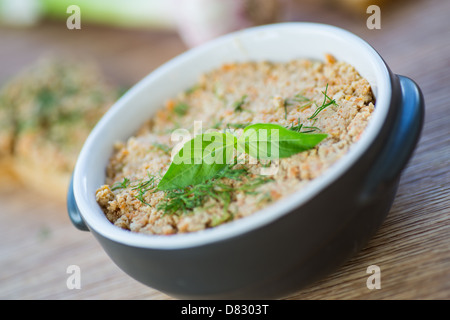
[200,159]
[272,141]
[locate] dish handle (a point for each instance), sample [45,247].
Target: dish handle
[401,142]
[72,209]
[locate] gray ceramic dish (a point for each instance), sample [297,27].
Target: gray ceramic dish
[292,243]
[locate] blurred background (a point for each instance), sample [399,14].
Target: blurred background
[121,41]
[142,34]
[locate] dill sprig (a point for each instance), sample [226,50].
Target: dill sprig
[324,105]
[141,187]
[299,127]
[237,105]
[121,185]
[181,108]
[145,186]
[179,201]
[297,99]
[327,101]
[251,185]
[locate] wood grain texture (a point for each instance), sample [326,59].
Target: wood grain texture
[412,248]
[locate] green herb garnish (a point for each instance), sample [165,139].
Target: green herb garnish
[298,98]
[181,108]
[202,161]
[183,200]
[300,126]
[186,199]
[121,185]
[324,105]
[204,156]
[144,186]
[199,159]
[301,98]
[237,106]
[272,141]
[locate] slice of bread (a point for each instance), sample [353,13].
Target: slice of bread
[46,114]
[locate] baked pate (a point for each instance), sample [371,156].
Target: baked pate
[307,96]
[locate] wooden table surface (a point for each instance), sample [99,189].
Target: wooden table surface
[412,248]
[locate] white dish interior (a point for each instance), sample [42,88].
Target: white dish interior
[278,42]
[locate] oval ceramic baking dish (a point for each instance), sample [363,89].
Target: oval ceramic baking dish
[291,243]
